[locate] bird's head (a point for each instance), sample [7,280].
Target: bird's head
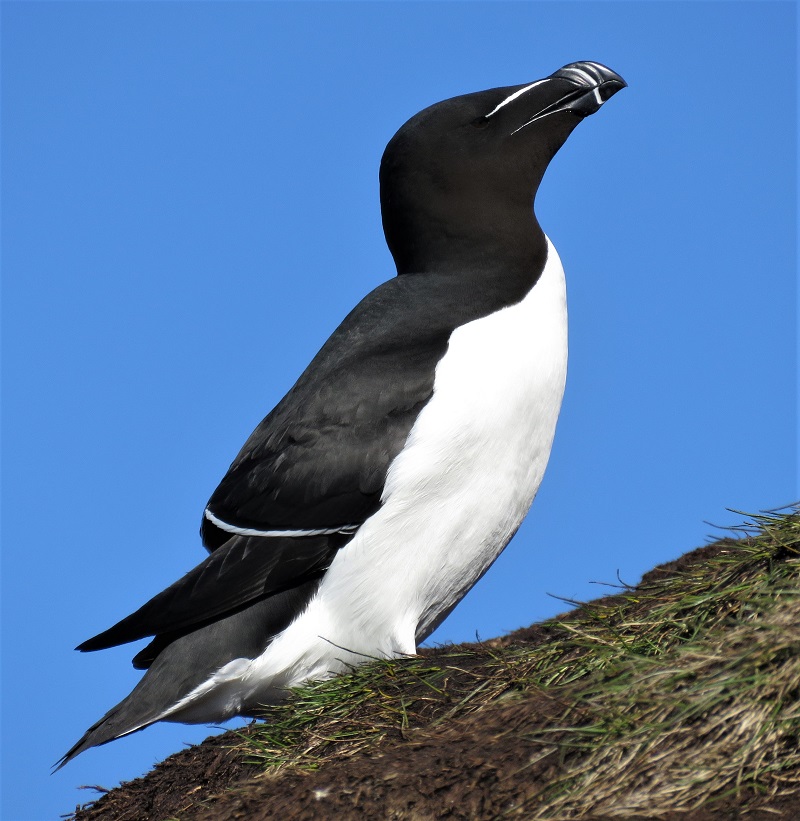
[468,167]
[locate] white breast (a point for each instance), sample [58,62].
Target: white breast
[477,454]
[453,499]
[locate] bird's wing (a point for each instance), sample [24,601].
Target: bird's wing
[313,470]
[318,462]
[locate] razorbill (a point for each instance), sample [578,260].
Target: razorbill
[390,477]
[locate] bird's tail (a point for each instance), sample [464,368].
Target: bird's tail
[180,666]
[117,722]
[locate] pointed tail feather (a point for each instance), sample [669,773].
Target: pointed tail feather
[190,660]
[111,726]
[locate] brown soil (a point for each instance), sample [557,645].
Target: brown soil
[484,765]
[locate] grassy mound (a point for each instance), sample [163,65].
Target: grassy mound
[675,699]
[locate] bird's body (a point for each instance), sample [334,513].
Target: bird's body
[404,459]
[481,445]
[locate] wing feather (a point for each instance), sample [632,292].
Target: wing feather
[320,458]
[244,570]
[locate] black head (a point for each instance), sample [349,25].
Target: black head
[459,178]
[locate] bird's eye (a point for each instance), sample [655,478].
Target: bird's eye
[480,122]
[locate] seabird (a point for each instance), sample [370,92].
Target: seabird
[397,468]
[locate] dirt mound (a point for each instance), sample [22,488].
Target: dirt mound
[679,698]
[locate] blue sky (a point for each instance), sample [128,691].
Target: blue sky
[190,206]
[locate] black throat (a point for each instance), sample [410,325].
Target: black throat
[465,235]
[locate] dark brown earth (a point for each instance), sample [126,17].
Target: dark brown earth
[479,766]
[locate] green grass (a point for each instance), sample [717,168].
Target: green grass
[677,693]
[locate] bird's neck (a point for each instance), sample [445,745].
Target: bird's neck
[503,240]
